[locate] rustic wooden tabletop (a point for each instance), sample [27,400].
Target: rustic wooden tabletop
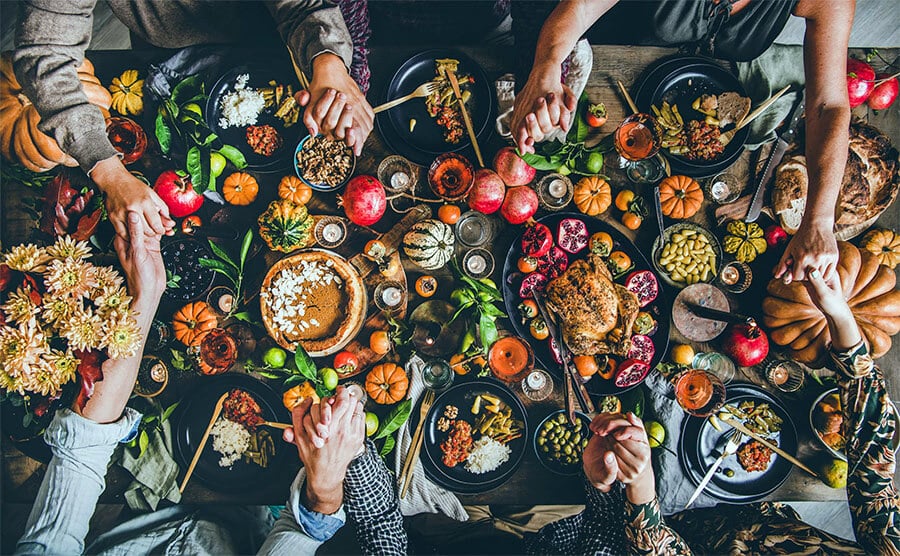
[532,484]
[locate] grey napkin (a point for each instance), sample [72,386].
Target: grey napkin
[423,496]
[673,487]
[778,66]
[155,472]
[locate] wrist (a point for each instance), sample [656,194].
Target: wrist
[642,490]
[327,62]
[324,497]
[107,172]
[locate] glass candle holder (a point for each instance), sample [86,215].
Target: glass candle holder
[537,386]
[330,231]
[736,276]
[554,191]
[437,374]
[723,188]
[152,378]
[785,375]
[478,263]
[397,174]
[716,363]
[389,295]
[474,229]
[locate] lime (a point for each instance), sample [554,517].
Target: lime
[371,423]
[274,357]
[656,433]
[192,107]
[329,378]
[594,163]
[835,473]
[216,164]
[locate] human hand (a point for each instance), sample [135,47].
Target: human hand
[125,193]
[543,104]
[141,260]
[335,107]
[828,296]
[623,437]
[812,247]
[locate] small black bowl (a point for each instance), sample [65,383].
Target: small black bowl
[182,258]
[544,457]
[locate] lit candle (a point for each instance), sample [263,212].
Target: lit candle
[720,190]
[730,275]
[399,180]
[536,380]
[226,302]
[332,232]
[557,188]
[476,264]
[392,296]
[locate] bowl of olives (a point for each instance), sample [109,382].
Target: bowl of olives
[559,444]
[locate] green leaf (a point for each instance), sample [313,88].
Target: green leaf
[143,442]
[186,89]
[207,183]
[243,315]
[491,310]
[487,330]
[219,265]
[194,168]
[267,374]
[224,273]
[395,419]
[171,112]
[245,247]
[538,162]
[305,364]
[168,412]
[163,133]
[179,361]
[294,380]
[234,156]
[389,443]
[219,252]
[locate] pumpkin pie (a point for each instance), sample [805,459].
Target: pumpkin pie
[314,298]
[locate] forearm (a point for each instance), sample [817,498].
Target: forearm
[371,501]
[51,40]
[568,22]
[310,28]
[827,136]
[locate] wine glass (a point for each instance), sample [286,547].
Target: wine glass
[699,392]
[636,139]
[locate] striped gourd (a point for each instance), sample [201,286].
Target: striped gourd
[429,244]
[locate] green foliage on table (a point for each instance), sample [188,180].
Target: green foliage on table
[304,369]
[233,271]
[476,302]
[154,416]
[15,172]
[391,424]
[571,156]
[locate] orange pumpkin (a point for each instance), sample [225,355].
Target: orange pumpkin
[299,393]
[387,383]
[680,196]
[240,188]
[293,189]
[20,138]
[592,195]
[192,322]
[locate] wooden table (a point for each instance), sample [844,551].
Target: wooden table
[532,484]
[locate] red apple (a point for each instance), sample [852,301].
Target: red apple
[747,345]
[884,94]
[860,81]
[177,192]
[487,194]
[364,200]
[519,205]
[512,168]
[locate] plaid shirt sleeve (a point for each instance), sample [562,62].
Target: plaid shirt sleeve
[370,500]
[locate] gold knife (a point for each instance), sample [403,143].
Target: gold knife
[465,113]
[740,427]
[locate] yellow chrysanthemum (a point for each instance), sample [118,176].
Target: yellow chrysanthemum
[71,277]
[110,300]
[21,348]
[55,309]
[19,307]
[67,248]
[108,278]
[10,383]
[27,258]
[56,369]
[84,330]
[123,337]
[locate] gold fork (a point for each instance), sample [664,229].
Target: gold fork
[422,90]
[416,445]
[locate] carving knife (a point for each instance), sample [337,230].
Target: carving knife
[785,138]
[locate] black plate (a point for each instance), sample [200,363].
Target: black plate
[237,136]
[426,140]
[512,278]
[679,81]
[696,452]
[193,416]
[457,479]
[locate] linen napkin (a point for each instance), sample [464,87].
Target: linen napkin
[423,495]
[673,487]
[778,66]
[155,472]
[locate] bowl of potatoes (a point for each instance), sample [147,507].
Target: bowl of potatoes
[688,254]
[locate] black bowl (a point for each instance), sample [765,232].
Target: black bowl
[182,256]
[545,459]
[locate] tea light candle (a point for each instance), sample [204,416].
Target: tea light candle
[158,372]
[226,302]
[719,190]
[476,264]
[391,296]
[399,180]
[332,232]
[730,275]
[536,380]
[557,189]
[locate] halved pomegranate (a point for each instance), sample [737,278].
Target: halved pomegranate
[631,372]
[554,263]
[643,284]
[534,282]
[537,240]
[642,348]
[572,235]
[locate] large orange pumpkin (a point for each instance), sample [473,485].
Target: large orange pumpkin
[240,188]
[294,190]
[20,138]
[592,195]
[794,320]
[680,196]
[192,322]
[387,383]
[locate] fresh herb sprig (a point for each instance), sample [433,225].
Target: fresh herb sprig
[476,302]
[233,271]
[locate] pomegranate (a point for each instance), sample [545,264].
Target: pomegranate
[643,284]
[519,205]
[177,192]
[884,94]
[775,235]
[572,235]
[860,81]
[554,263]
[534,282]
[487,193]
[537,240]
[513,170]
[363,200]
[631,372]
[746,344]
[642,348]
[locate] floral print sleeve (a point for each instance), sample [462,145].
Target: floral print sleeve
[647,533]
[869,426]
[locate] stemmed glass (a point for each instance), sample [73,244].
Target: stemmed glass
[637,141]
[699,392]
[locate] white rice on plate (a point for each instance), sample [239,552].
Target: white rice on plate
[229,439]
[487,455]
[242,106]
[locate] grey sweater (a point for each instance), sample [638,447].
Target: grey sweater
[52,37]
